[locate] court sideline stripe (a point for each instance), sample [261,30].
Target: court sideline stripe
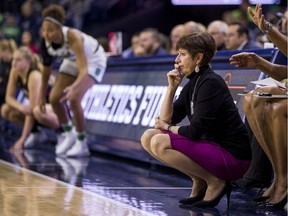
[77,188]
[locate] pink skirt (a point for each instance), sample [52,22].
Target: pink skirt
[211,156]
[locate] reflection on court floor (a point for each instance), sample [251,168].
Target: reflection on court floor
[28,193]
[36,182]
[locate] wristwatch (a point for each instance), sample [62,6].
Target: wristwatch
[268,27]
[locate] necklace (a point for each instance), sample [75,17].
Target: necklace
[193,95]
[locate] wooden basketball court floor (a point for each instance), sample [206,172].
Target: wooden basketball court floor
[37,183]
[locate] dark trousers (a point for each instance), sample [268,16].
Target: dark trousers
[260,169]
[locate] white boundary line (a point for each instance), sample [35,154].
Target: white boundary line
[77,188]
[120,188]
[144,188]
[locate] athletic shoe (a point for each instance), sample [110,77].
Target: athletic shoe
[79,149]
[35,137]
[67,143]
[60,137]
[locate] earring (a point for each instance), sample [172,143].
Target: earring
[197,69]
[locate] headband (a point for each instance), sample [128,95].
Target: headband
[51,19]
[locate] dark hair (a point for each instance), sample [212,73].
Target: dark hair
[199,42]
[55,11]
[242,29]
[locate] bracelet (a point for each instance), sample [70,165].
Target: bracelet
[168,129]
[268,27]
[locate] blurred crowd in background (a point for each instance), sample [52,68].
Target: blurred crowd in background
[20,21]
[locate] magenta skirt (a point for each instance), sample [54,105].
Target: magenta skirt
[211,156]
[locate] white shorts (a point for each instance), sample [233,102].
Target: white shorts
[96,66]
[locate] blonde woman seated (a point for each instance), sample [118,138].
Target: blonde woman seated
[268,116]
[25,72]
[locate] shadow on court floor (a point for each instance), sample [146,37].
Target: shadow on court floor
[155,189]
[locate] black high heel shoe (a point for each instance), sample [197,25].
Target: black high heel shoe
[226,190]
[260,198]
[279,205]
[194,199]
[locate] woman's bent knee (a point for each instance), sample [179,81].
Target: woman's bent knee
[37,113]
[146,136]
[54,97]
[159,143]
[279,108]
[5,110]
[247,102]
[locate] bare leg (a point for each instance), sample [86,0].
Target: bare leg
[198,184]
[12,115]
[276,115]
[75,104]
[48,119]
[250,102]
[61,109]
[255,119]
[160,146]
[270,122]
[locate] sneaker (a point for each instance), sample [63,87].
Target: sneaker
[68,141]
[60,137]
[79,149]
[33,138]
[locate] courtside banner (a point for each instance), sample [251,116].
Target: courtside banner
[131,93]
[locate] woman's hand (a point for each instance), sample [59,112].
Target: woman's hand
[245,60]
[175,76]
[68,93]
[160,124]
[258,17]
[25,109]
